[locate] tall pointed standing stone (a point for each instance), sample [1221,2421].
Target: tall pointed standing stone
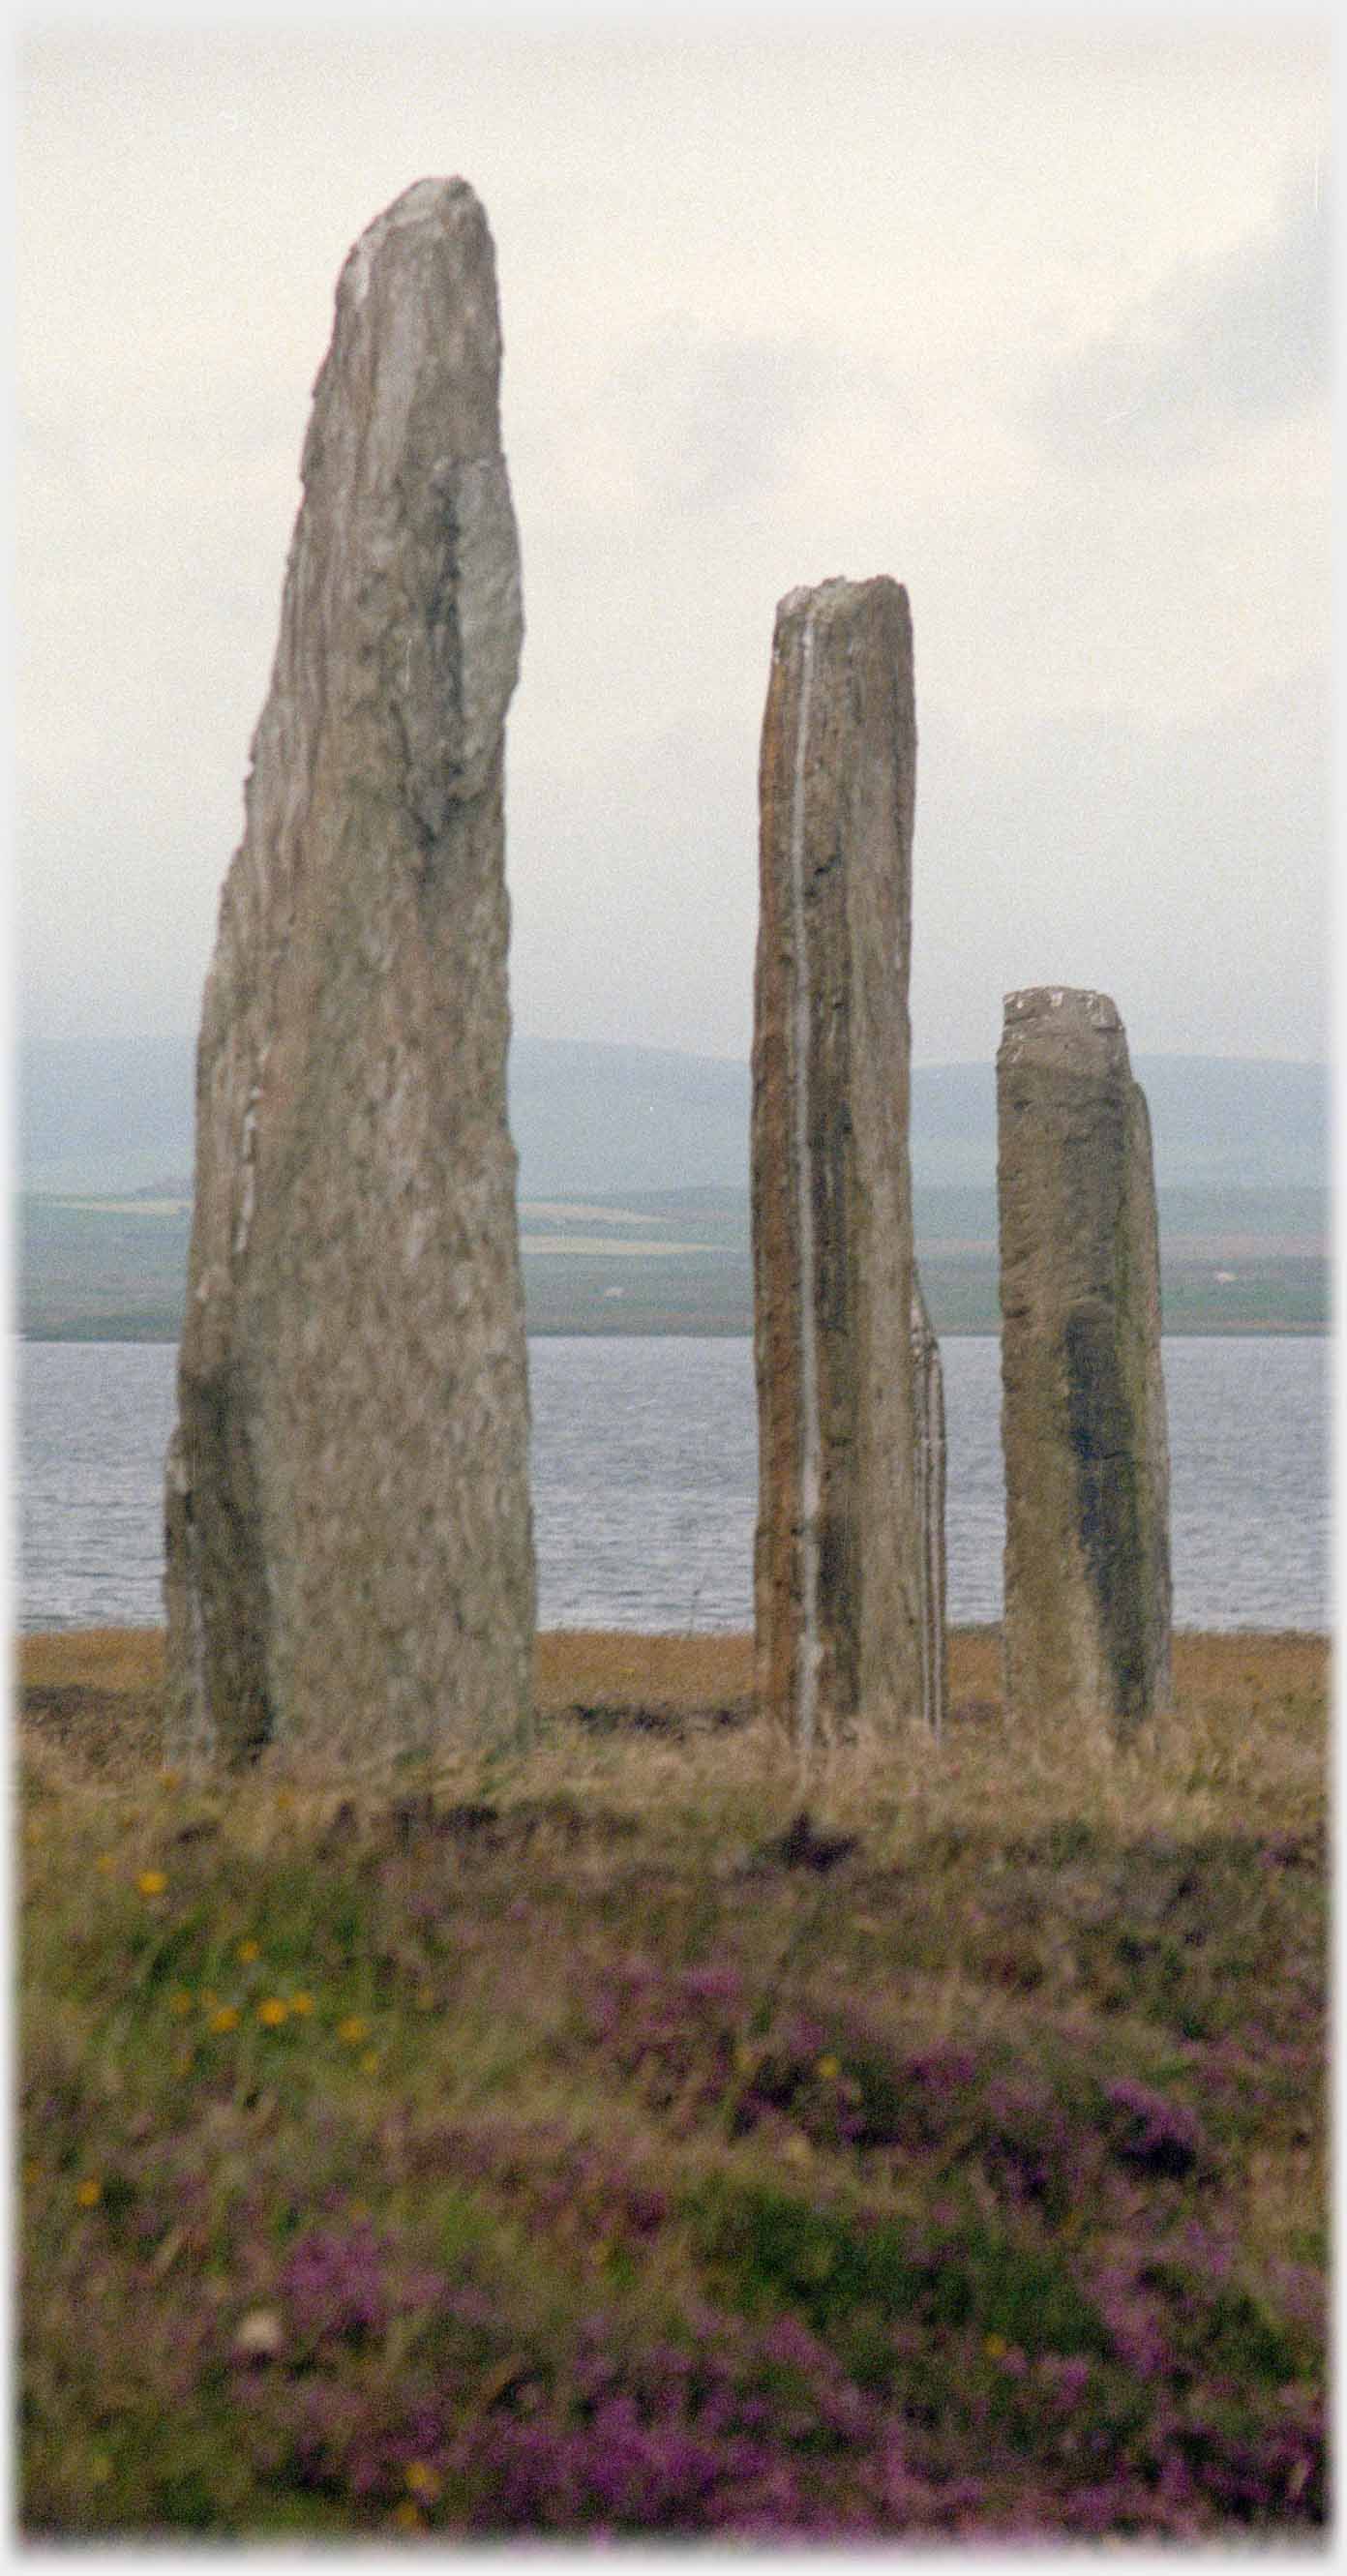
[1087,1583]
[848,1557]
[348,1527]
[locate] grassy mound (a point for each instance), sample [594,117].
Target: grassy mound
[581,2144]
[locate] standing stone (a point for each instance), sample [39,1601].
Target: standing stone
[928,1391]
[1087,1587]
[348,1529]
[849,1576]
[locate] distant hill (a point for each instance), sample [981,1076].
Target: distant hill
[110,1114]
[626,1118]
[115,1115]
[1217,1122]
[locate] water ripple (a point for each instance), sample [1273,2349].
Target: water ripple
[645,1482]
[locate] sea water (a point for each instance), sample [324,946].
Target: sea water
[644,1479]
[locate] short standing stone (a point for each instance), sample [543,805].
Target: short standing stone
[1087,1582]
[846,1567]
[348,1528]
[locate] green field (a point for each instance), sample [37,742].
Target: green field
[678,1262]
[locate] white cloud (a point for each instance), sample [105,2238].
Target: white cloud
[1163,863]
[778,303]
[1223,348]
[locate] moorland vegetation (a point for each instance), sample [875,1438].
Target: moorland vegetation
[630,2135]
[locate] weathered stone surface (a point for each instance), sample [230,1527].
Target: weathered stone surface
[928,1397]
[348,1526]
[1087,1583]
[844,1568]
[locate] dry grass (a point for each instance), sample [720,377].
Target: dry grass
[615,1664]
[109,1659]
[651,1720]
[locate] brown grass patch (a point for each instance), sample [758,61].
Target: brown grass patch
[618,1668]
[667,1724]
[105,1659]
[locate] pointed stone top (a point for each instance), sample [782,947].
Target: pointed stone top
[1063,1025]
[416,346]
[406,493]
[428,207]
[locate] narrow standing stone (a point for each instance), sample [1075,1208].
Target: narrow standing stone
[928,1390]
[349,1538]
[846,1567]
[1087,1585]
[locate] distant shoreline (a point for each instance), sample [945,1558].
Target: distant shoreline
[680,1264]
[82,1334]
[66,1642]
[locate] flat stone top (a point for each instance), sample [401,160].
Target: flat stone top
[1061,1025]
[840,598]
[1065,1003]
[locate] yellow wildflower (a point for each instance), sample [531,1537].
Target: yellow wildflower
[272,2012]
[105,1861]
[828,2069]
[248,1951]
[301,2003]
[180,2003]
[227,2018]
[151,1882]
[369,2063]
[407,2516]
[89,2192]
[169,1780]
[423,2480]
[995,2347]
[352,2030]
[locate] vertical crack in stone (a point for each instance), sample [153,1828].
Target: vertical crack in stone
[845,1566]
[807,1661]
[928,1379]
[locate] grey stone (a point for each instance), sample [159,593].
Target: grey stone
[928,1395]
[1087,1579]
[349,1541]
[846,1568]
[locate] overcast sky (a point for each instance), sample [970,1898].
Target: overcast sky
[1033,318]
